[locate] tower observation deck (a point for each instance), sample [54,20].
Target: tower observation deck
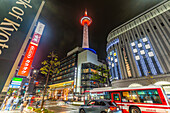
[85,22]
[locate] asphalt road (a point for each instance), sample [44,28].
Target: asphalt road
[53,106]
[61,108]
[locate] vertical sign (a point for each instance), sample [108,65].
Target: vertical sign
[16,18]
[128,69]
[29,56]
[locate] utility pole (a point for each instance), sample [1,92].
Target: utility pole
[27,87]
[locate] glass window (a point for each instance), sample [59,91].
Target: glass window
[102,103]
[107,95]
[126,97]
[91,103]
[135,96]
[149,96]
[111,103]
[85,70]
[116,97]
[97,103]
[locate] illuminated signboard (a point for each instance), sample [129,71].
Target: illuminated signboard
[17,79]
[26,64]
[16,18]
[29,56]
[16,82]
[14,86]
[128,69]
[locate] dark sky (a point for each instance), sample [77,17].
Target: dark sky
[63,31]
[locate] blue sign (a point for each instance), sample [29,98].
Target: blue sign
[14,86]
[26,84]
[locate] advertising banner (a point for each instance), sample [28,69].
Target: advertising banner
[28,59]
[29,56]
[16,82]
[16,17]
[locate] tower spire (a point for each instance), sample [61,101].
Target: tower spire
[85,22]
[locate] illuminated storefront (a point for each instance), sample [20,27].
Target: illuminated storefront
[61,91]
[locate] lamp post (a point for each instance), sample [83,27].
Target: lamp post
[29,77]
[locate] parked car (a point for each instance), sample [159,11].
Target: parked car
[100,106]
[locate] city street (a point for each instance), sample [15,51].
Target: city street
[98,56]
[53,106]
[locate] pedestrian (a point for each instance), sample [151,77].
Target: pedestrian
[15,102]
[37,103]
[21,106]
[4,102]
[9,102]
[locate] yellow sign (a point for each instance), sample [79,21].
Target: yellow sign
[126,94]
[61,84]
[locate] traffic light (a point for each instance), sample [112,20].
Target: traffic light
[36,83]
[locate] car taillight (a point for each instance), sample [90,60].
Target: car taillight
[113,108]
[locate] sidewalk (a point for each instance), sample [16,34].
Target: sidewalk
[14,111]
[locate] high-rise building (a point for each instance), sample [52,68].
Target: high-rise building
[75,68]
[138,51]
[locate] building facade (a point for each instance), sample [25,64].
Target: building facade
[138,51]
[62,84]
[68,82]
[87,72]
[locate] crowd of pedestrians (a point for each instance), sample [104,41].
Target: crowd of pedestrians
[11,102]
[16,102]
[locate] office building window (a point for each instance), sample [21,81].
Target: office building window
[145,58]
[114,65]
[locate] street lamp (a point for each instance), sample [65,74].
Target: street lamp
[35,71]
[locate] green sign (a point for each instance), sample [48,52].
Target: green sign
[17,79]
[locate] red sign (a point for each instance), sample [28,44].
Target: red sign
[27,62]
[29,56]
[36,38]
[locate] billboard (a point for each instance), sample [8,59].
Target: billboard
[16,82]
[29,56]
[16,17]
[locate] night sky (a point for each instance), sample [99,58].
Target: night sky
[63,31]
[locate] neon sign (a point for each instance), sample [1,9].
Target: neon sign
[127,63]
[29,56]
[112,43]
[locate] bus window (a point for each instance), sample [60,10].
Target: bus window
[134,96]
[87,97]
[116,97]
[149,96]
[107,95]
[126,96]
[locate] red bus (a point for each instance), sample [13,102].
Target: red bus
[146,99]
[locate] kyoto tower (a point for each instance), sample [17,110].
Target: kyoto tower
[85,22]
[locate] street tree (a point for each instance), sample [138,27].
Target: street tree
[49,68]
[101,75]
